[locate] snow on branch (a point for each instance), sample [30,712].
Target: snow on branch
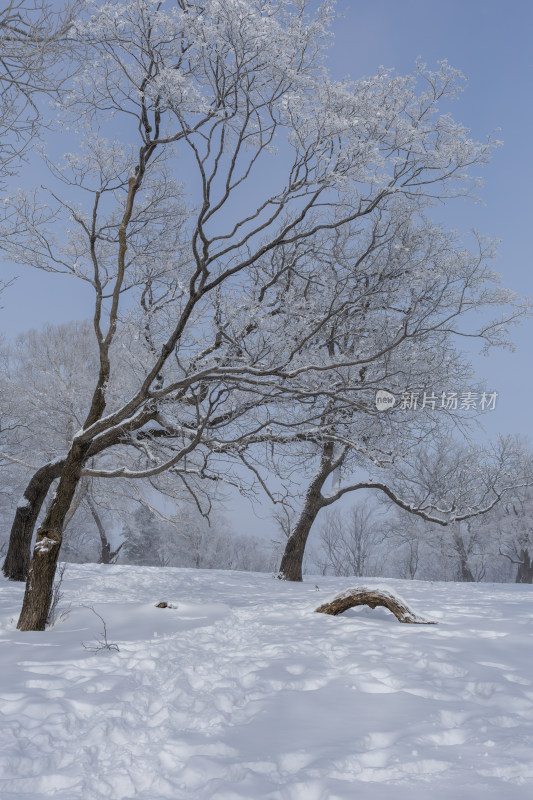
[362,595]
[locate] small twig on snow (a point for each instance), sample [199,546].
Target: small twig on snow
[102,644]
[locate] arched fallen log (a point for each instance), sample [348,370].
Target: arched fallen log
[363,596]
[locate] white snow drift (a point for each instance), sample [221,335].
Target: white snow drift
[241,691]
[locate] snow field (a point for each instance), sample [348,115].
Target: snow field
[243,692]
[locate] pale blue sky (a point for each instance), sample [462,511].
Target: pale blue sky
[490,42]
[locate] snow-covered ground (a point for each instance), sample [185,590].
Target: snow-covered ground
[242,691]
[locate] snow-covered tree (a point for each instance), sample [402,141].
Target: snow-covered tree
[400,332]
[35,38]
[50,372]
[142,540]
[46,387]
[512,529]
[467,477]
[350,542]
[217,162]
[187,540]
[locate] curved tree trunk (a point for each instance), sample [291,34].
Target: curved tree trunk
[17,561]
[291,563]
[39,586]
[107,556]
[363,596]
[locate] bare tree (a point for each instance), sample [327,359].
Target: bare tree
[107,555]
[469,478]
[405,538]
[212,289]
[349,542]
[35,39]
[45,389]
[390,448]
[47,381]
[186,539]
[401,329]
[512,527]
[86,513]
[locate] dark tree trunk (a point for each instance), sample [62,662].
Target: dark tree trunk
[525,568]
[291,563]
[17,561]
[107,556]
[466,572]
[372,598]
[39,586]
